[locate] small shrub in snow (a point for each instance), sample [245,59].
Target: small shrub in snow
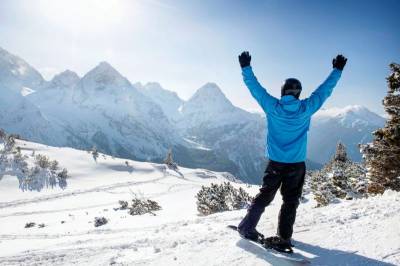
[223,197]
[123,205]
[143,206]
[153,205]
[30,224]
[62,178]
[99,221]
[240,199]
[54,165]
[42,161]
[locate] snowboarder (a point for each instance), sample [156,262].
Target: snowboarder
[288,120]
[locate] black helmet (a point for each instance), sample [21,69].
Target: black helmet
[291,86]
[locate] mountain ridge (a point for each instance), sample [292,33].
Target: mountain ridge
[104,109]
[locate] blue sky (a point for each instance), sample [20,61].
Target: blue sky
[184,44]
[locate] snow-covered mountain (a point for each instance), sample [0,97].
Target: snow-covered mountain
[142,122]
[350,116]
[18,115]
[350,125]
[209,104]
[18,75]
[210,119]
[354,233]
[103,109]
[169,101]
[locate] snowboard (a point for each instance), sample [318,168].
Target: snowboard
[292,258]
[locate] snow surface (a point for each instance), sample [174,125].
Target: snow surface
[26,91]
[359,232]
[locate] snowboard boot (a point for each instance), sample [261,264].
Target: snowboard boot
[252,235]
[279,244]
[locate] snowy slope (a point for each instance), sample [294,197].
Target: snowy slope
[361,232]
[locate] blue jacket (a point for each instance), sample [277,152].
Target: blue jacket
[288,118]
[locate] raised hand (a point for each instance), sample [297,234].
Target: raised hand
[339,62]
[244,59]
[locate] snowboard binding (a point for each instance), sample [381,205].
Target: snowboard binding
[278,244]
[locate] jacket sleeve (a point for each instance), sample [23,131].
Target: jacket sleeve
[319,96]
[264,99]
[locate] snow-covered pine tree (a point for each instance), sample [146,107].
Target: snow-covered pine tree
[382,156]
[338,169]
[2,134]
[9,143]
[43,173]
[95,153]
[42,161]
[169,161]
[219,198]
[241,199]
[142,206]
[340,178]
[321,186]
[340,154]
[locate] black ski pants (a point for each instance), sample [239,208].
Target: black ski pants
[290,178]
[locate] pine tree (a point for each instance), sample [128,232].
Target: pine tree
[382,156]
[95,153]
[340,154]
[338,165]
[340,178]
[169,161]
[2,134]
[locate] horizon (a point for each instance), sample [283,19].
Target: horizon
[190,44]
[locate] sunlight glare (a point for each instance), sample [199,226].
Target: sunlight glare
[80,15]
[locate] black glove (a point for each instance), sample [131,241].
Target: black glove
[339,62]
[244,59]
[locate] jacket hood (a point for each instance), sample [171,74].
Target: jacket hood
[290,103]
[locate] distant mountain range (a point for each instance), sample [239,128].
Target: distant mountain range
[141,122]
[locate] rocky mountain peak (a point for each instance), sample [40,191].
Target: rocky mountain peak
[104,77]
[66,78]
[17,73]
[210,97]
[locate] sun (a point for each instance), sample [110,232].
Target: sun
[81,15]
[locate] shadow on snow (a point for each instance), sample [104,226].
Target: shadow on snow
[322,256]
